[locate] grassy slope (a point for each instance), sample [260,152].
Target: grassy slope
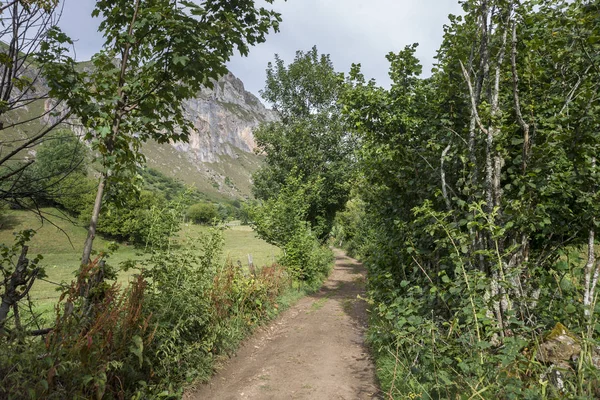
[208,178]
[12,137]
[62,250]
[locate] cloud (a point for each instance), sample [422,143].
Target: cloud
[77,22]
[351,31]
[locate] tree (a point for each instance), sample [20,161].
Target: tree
[58,176]
[27,115]
[310,139]
[477,185]
[282,221]
[28,29]
[157,53]
[61,154]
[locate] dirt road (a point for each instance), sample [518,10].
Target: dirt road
[314,350]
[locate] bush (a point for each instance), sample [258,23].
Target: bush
[97,355]
[202,213]
[202,309]
[167,328]
[305,258]
[147,220]
[282,221]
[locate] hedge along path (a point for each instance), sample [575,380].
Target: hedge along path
[314,350]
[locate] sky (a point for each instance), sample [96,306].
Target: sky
[350,31]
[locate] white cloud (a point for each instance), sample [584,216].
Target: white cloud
[351,31]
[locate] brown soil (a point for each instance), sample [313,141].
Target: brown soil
[314,350]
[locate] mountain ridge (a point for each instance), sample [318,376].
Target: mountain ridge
[218,159]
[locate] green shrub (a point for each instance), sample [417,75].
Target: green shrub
[97,355]
[168,327]
[202,309]
[202,213]
[305,258]
[281,221]
[146,220]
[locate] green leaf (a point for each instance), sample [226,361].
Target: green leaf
[137,349]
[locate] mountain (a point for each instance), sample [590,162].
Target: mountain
[219,156]
[218,159]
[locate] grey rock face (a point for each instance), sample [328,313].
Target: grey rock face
[218,156]
[224,117]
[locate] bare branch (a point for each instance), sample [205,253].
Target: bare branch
[443,177]
[4,7]
[524,125]
[16,171]
[473,100]
[35,139]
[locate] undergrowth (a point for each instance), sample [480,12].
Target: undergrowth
[436,337]
[182,313]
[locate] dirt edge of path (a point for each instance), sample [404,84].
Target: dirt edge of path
[314,350]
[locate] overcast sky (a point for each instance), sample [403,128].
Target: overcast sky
[351,31]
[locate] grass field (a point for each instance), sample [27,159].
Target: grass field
[61,245]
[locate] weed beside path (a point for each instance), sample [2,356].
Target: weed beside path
[315,350]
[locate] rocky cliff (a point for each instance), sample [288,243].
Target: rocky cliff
[224,118]
[218,158]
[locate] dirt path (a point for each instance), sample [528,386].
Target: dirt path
[314,350]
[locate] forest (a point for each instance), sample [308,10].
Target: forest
[470,194]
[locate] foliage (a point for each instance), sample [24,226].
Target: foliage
[185,308]
[150,63]
[282,221]
[61,154]
[202,213]
[148,220]
[306,259]
[202,309]
[59,174]
[159,66]
[170,188]
[231,210]
[18,274]
[350,228]
[28,29]
[183,311]
[244,212]
[310,141]
[476,199]
[101,359]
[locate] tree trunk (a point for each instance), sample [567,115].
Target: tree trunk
[20,278]
[592,270]
[116,123]
[89,241]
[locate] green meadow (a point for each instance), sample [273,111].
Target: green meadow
[59,239]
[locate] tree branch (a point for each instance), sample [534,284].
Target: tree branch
[517,101]
[443,177]
[472,97]
[34,139]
